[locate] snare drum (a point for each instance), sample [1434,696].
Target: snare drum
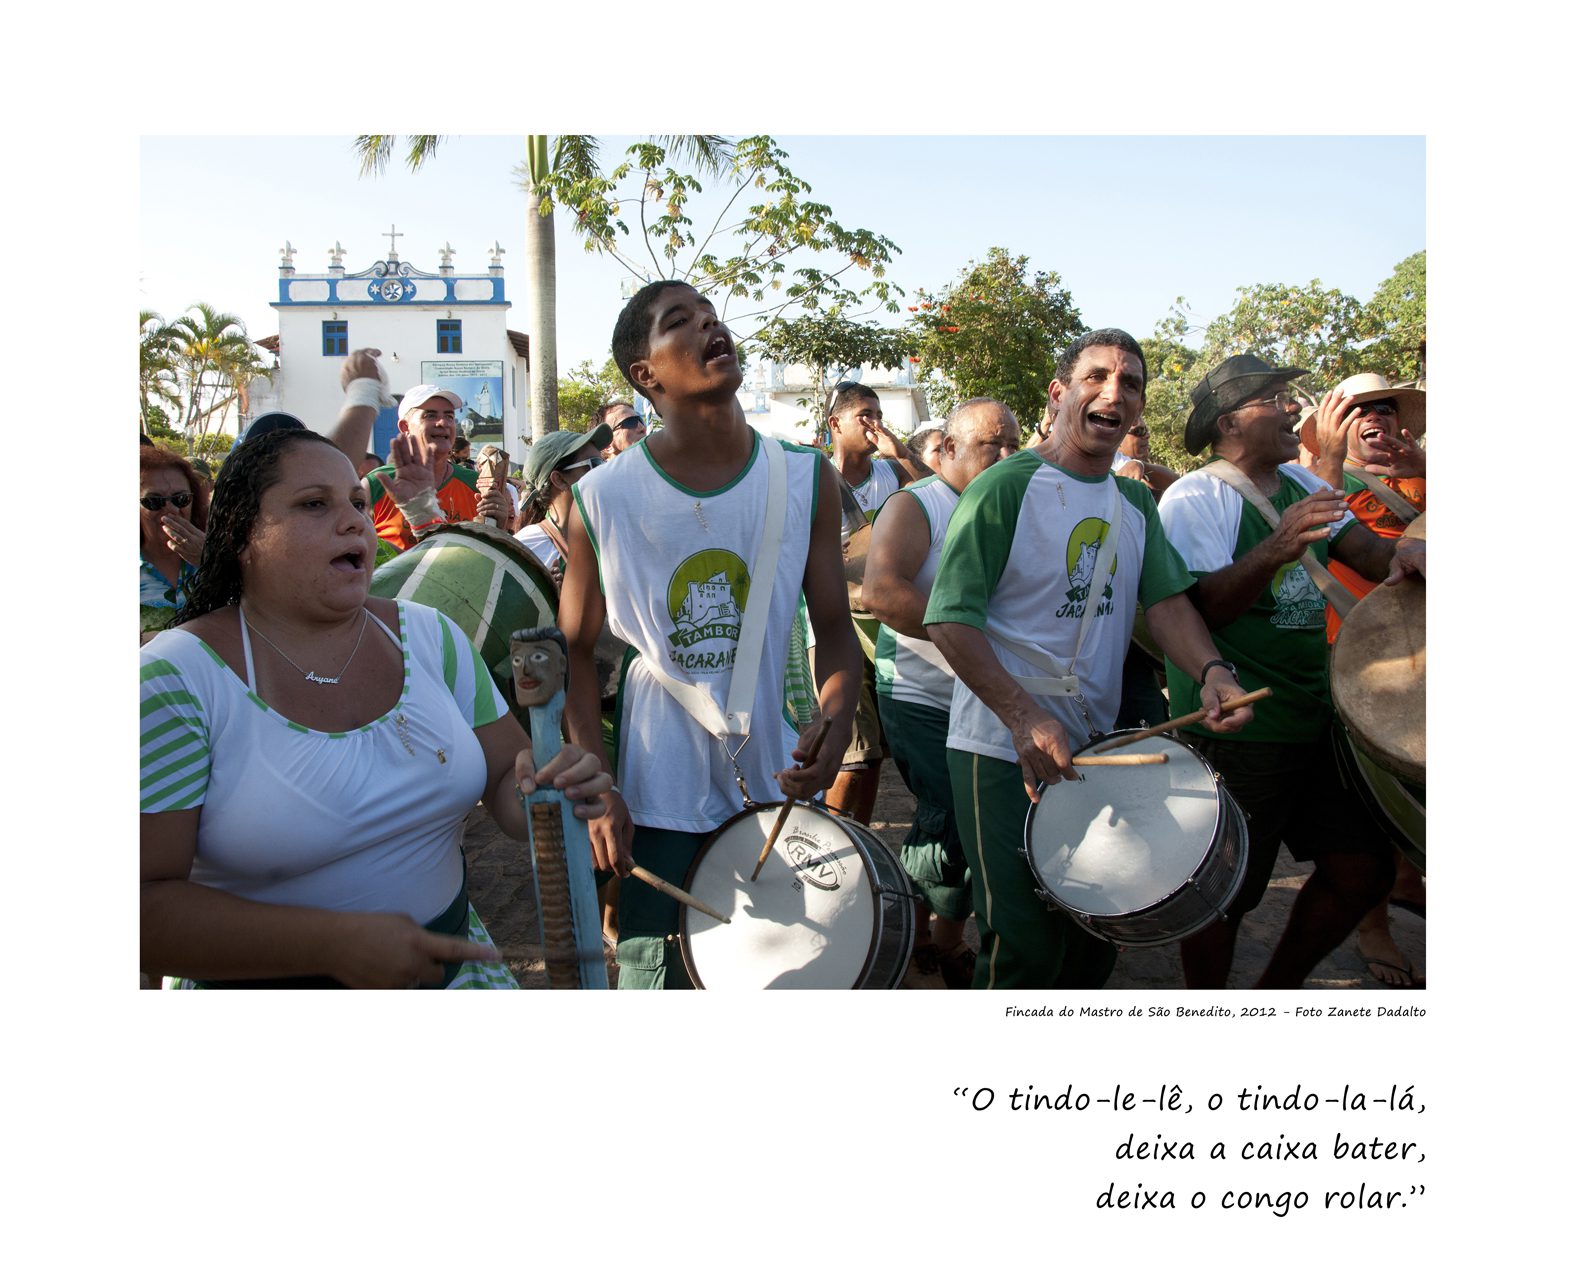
[832,908]
[1139,855]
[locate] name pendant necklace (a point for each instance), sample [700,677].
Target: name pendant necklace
[311,675]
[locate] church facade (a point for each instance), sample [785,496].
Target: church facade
[446,327]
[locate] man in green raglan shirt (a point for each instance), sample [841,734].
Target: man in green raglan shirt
[1014,580]
[1259,598]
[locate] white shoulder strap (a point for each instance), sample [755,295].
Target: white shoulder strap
[1330,587]
[736,717]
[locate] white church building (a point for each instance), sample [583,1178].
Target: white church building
[446,326]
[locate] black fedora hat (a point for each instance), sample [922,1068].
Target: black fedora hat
[1236,380]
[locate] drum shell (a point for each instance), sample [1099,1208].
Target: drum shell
[892,935]
[1398,806]
[1209,875]
[485,581]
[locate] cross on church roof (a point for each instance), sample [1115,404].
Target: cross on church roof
[393,237]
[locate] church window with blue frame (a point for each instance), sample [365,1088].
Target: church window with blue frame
[335,338]
[449,337]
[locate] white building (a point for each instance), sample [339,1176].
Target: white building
[780,400]
[445,327]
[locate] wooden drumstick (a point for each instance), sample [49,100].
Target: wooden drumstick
[810,759]
[675,892]
[1127,759]
[1253,696]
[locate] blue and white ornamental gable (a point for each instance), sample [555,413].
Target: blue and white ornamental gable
[447,327]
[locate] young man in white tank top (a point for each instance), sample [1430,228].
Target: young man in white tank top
[664,545]
[916,684]
[874,465]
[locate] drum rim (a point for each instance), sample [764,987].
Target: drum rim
[683,936]
[1222,795]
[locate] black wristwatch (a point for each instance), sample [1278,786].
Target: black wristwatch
[1216,663]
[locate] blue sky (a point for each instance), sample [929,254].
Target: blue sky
[1129,223]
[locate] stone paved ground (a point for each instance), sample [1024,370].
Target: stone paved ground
[501,886]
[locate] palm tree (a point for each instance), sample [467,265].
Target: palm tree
[159,374]
[213,355]
[575,155]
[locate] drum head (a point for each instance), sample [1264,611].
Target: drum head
[809,921]
[1379,677]
[1123,838]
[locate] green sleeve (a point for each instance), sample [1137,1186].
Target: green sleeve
[1163,572]
[978,543]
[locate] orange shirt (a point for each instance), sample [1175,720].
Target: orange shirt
[459,500]
[1373,515]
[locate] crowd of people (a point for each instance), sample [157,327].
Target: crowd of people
[311,752]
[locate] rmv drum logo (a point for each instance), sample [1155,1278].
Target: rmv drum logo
[812,860]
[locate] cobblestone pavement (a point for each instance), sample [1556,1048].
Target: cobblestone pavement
[501,886]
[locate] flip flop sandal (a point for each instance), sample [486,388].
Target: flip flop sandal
[1412,906]
[1370,962]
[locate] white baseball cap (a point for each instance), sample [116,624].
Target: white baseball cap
[417,396]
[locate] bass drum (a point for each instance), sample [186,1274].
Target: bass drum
[831,908]
[1139,855]
[485,581]
[1379,685]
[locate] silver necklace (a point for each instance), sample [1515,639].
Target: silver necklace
[311,676]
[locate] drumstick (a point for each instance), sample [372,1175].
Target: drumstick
[1127,759]
[1253,696]
[779,823]
[676,893]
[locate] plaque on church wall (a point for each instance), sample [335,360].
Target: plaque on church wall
[480,385]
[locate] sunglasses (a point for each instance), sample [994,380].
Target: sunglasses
[155,502]
[1139,430]
[627,424]
[588,462]
[1378,407]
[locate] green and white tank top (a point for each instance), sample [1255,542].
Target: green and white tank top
[676,568]
[881,484]
[910,669]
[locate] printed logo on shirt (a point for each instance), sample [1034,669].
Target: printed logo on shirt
[707,597]
[1080,561]
[1298,603]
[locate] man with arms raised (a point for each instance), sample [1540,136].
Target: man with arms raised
[669,546]
[1364,440]
[1259,596]
[1019,573]
[915,682]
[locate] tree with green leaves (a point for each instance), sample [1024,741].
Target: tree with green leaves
[572,159]
[1398,314]
[829,343]
[159,374]
[757,252]
[215,362]
[1313,327]
[583,389]
[996,331]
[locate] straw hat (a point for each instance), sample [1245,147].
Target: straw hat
[1362,388]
